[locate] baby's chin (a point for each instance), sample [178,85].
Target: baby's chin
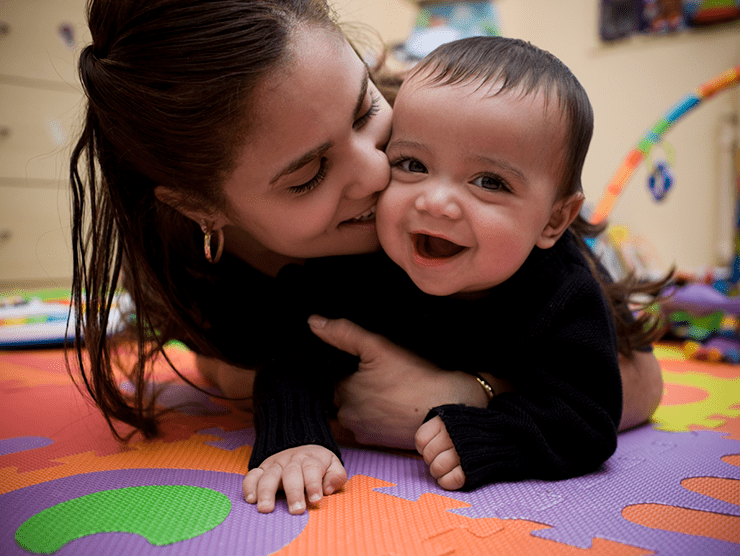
[440,288]
[436,288]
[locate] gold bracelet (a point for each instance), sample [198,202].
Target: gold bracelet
[487,388]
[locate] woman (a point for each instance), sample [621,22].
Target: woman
[252,127]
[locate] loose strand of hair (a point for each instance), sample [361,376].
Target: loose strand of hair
[632,331]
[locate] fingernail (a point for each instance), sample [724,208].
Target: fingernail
[329,490]
[298,507]
[316,321]
[250,498]
[314,498]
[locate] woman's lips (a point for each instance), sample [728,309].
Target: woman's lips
[367,216]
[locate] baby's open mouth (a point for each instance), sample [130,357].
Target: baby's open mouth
[433,247]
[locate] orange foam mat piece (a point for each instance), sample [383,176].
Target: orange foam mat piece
[362,522]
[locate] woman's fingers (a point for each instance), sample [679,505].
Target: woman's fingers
[347,336]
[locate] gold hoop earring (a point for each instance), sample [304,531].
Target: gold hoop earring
[207,231]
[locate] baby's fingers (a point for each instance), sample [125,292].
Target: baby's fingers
[259,487]
[249,485]
[444,463]
[267,487]
[294,483]
[433,429]
[454,480]
[335,477]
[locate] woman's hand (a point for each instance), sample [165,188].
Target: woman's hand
[305,471]
[386,400]
[434,444]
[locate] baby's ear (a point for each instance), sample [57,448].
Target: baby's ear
[564,211]
[197,214]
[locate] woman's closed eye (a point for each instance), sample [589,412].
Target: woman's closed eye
[360,122]
[313,182]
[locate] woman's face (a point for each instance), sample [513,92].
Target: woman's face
[308,177]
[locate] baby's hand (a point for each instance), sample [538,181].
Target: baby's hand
[435,445]
[313,470]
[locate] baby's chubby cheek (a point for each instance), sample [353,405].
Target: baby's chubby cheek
[386,219]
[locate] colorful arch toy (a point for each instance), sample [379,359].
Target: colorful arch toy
[653,136]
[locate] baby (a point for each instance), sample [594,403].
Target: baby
[491,279]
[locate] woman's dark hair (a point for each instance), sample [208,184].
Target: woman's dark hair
[168,86]
[513,64]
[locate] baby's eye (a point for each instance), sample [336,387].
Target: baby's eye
[491,183]
[411,165]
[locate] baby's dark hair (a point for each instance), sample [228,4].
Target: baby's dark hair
[517,65]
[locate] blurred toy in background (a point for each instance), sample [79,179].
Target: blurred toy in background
[442,22]
[623,253]
[660,180]
[724,81]
[702,311]
[708,321]
[619,18]
[662,16]
[708,12]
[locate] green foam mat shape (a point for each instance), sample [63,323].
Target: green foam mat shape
[162,514]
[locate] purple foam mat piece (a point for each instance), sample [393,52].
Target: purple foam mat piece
[701,299]
[648,467]
[23,444]
[231,440]
[244,531]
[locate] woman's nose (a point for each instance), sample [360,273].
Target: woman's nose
[438,200]
[369,175]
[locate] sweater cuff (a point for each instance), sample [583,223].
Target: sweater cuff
[289,420]
[487,450]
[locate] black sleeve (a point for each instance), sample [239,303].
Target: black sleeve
[563,419]
[290,411]
[294,387]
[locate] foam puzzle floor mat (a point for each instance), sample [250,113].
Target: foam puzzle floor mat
[68,488]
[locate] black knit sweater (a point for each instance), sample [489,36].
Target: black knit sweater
[547,329]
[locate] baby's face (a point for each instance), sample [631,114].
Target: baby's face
[473,183]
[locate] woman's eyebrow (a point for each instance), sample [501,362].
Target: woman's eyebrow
[313,154]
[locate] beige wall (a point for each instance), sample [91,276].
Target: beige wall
[631,84]
[40,104]
[393,19]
